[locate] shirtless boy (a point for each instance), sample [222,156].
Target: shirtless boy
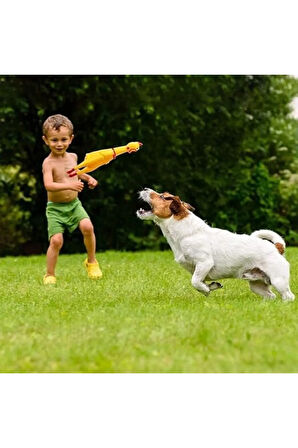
[64,209]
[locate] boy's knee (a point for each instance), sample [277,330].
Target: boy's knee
[86,227]
[57,241]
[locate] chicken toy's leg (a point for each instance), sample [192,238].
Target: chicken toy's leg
[75,170]
[72,172]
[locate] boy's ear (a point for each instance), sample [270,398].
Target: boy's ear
[44,139]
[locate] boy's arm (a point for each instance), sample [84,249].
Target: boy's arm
[92,183]
[50,185]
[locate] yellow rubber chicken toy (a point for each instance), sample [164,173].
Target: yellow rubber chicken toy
[95,159]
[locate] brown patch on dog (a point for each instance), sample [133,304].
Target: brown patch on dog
[188,206]
[160,205]
[165,205]
[280,248]
[178,209]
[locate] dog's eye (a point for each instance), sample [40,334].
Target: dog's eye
[161,196]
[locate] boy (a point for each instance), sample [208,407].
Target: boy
[64,209]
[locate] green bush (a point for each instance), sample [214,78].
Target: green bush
[223,143]
[15,196]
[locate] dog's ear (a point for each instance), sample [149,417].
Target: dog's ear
[188,206]
[176,205]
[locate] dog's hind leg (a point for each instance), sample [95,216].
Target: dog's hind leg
[256,274]
[260,288]
[199,275]
[282,286]
[280,276]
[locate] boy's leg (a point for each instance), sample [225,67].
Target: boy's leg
[56,242]
[87,230]
[91,264]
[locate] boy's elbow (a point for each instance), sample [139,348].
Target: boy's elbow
[48,187]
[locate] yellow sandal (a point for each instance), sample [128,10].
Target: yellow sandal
[49,280]
[93,270]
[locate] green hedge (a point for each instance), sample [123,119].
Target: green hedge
[226,144]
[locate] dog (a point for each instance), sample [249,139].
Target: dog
[210,253]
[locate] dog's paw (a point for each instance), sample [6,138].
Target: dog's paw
[288,297]
[215,285]
[205,293]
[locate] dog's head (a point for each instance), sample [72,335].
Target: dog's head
[163,205]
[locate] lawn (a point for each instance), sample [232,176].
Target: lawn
[143,316]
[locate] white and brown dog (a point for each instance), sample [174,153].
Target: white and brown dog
[210,253]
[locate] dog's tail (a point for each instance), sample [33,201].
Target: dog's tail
[274,237]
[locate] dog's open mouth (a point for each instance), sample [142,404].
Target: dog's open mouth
[141,213]
[144,195]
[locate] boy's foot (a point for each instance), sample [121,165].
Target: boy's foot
[49,280]
[93,270]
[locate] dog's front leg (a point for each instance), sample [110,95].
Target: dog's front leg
[201,271]
[190,267]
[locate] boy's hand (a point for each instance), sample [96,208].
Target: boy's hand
[92,183]
[78,185]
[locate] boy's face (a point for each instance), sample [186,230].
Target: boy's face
[58,140]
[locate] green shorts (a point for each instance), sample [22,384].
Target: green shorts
[64,215]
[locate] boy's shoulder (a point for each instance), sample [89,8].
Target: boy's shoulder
[73,155]
[46,161]
[50,160]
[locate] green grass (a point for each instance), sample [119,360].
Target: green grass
[143,316]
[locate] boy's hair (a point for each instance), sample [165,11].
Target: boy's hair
[55,122]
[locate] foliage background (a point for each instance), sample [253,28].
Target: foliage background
[226,144]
